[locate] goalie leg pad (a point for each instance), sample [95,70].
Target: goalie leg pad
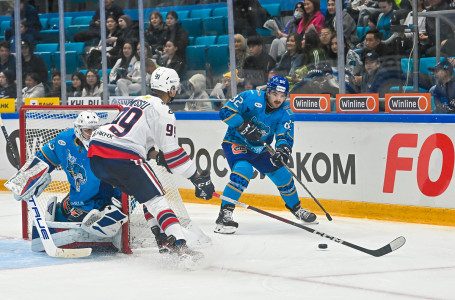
[165,216]
[30,180]
[105,223]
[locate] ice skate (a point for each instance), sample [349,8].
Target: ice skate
[303,214]
[186,254]
[160,238]
[225,224]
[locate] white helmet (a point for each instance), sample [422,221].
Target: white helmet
[163,79]
[86,120]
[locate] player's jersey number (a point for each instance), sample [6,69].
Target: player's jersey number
[126,120]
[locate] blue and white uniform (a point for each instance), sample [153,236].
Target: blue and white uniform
[242,156]
[87,192]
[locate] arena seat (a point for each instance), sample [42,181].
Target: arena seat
[196,58]
[201,13]
[193,26]
[50,47]
[49,36]
[82,20]
[218,59]
[220,12]
[182,14]
[71,61]
[205,40]
[273,9]
[54,22]
[214,26]
[44,22]
[3,26]
[73,29]
[47,58]
[223,39]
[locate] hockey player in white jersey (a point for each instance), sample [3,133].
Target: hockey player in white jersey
[118,155]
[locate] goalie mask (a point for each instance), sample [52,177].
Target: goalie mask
[86,122]
[165,80]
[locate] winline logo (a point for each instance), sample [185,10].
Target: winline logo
[360,103]
[408,103]
[302,103]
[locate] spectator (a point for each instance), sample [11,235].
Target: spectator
[375,79]
[384,19]
[278,46]
[249,15]
[349,25]
[156,33]
[112,10]
[325,36]
[171,59]
[32,63]
[365,8]
[25,36]
[30,16]
[444,91]
[127,71]
[177,34]
[197,86]
[293,58]
[258,64]
[150,66]
[7,85]
[222,90]
[353,62]
[112,34]
[93,86]
[77,85]
[240,53]
[312,16]
[7,60]
[56,88]
[34,88]
[147,50]
[373,42]
[428,37]
[129,31]
[313,55]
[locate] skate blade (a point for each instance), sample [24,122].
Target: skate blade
[315,222]
[225,229]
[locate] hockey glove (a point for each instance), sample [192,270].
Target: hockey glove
[204,186]
[282,153]
[161,161]
[250,132]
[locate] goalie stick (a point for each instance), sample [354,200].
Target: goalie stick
[390,247]
[40,223]
[270,149]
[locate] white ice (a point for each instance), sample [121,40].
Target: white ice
[265,259]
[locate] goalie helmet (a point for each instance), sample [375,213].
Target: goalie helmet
[86,120]
[164,79]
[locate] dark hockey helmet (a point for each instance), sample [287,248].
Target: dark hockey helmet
[279,84]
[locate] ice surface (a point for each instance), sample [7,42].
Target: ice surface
[265,259]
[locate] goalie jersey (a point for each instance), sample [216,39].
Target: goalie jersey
[144,123]
[251,105]
[86,190]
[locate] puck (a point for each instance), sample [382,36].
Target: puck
[322,246]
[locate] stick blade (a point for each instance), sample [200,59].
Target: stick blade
[72,253]
[392,246]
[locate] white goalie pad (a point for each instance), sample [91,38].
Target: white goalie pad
[71,235]
[30,180]
[105,223]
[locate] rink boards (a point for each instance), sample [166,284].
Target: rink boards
[393,167]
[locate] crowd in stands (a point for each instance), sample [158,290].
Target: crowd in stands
[304,49]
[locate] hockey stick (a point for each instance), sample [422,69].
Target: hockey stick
[392,246]
[40,223]
[270,149]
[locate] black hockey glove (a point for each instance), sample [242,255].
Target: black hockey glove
[161,161]
[282,152]
[250,132]
[204,186]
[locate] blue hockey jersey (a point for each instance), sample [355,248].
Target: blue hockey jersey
[251,105]
[87,191]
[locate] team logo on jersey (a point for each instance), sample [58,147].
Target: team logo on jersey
[264,129]
[239,149]
[61,143]
[77,172]
[258,105]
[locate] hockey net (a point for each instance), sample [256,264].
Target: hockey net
[40,124]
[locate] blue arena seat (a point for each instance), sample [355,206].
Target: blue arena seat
[71,61]
[82,20]
[191,40]
[3,26]
[51,47]
[44,22]
[49,36]
[196,58]
[205,40]
[218,59]
[54,22]
[201,13]
[223,39]
[182,14]
[80,51]
[214,26]
[220,12]
[361,31]
[47,58]
[273,9]
[193,26]
[73,29]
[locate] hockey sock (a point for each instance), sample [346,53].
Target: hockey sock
[239,179]
[151,220]
[285,184]
[165,216]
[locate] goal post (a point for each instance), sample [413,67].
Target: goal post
[39,124]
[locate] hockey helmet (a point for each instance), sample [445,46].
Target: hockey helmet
[164,79]
[86,120]
[279,84]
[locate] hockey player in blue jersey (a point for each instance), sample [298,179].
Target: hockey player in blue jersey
[89,200]
[256,116]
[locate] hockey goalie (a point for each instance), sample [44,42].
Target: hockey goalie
[89,215]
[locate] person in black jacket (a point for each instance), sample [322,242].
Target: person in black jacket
[177,33]
[444,90]
[171,59]
[32,63]
[156,32]
[375,78]
[258,65]
[7,85]
[30,15]
[7,60]
[94,31]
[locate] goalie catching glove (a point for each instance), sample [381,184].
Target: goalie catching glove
[204,186]
[30,180]
[281,155]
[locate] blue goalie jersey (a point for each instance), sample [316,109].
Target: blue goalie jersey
[251,105]
[87,191]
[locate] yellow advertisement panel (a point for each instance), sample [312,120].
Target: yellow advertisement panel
[43,101]
[7,105]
